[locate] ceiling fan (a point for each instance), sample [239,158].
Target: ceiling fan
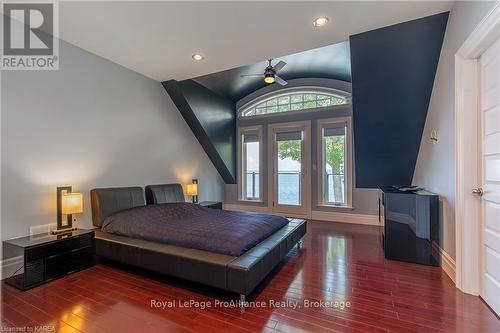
[270,73]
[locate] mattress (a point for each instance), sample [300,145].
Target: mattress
[192,226]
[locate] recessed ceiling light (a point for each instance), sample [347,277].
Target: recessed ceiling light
[320,21]
[197,57]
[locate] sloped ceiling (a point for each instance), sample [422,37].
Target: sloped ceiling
[212,119]
[329,62]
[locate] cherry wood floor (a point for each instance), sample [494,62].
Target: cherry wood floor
[338,263]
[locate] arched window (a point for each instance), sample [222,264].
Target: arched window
[294,100]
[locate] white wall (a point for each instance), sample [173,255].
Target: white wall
[90,124]
[436,162]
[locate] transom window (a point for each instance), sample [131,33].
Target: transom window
[293,101]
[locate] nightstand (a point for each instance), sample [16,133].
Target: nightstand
[46,257]
[211,204]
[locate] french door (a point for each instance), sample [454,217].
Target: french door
[289,168]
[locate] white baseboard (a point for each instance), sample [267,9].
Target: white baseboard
[11,266]
[345,217]
[248,208]
[447,262]
[260,209]
[315,214]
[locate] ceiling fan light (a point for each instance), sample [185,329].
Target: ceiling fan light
[269,79]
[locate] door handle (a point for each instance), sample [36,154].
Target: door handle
[477,191]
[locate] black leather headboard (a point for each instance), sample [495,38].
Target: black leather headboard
[107,201]
[157,194]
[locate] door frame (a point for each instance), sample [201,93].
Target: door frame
[306,165]
[468,235]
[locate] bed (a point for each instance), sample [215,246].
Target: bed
[119,213]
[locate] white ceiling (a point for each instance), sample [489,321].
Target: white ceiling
[157,39]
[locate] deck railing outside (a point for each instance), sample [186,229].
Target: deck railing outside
[289,186]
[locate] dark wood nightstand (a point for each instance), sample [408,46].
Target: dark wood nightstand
[47,257]
[211,204]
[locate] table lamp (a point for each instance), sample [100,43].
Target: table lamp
[68,203]
[192,190]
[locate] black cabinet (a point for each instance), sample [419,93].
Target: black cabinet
[211,204]
[410,225]
[46,257]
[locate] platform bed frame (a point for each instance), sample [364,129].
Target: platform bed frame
[240,275]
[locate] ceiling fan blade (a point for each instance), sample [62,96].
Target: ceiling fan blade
[280,81]
[252,75]
[279,65]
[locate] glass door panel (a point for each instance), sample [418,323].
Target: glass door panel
[289,185]
[290,151]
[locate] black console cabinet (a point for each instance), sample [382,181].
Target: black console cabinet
[46,257]
[410,225]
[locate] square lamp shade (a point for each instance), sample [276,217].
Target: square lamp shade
[71,203]
[192,189]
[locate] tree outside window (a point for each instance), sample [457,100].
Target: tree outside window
[334,157]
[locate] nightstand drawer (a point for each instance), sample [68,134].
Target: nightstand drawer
[64,245]
[34,272]
[63,264]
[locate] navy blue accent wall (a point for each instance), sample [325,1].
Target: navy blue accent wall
[212,119]
[393,70]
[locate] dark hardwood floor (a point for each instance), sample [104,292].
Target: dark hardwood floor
[338,263]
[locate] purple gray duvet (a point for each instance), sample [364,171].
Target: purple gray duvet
[192,226]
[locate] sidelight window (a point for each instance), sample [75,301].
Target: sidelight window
[334,153]
[250,163]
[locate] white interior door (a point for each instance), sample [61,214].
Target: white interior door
[289,184]
[490,160]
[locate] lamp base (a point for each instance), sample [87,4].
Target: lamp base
[62,231]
